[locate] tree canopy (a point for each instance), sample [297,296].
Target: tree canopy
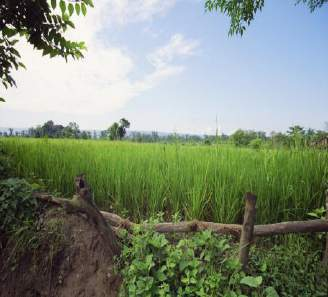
[118,130]
[242,12]
[43,24]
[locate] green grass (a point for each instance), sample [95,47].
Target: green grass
[204,182]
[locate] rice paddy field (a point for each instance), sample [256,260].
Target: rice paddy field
[196,181]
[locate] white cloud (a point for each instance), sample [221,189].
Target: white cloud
[102,81]
[131,11]
[178,46]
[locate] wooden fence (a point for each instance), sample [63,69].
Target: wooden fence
[245,232]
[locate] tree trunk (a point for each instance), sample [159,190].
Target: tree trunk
[247,230]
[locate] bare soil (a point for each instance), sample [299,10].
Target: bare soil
[80,268]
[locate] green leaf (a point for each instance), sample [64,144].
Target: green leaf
[53,4]
[70,9]
[271,292]
[264,267]
[62,5]
[46,51]
[77,8]
[2,100]
[312,214]
[15,52]
[88,2]
[21,65]
[53,53]
[84,9]
[251,281]
[9,32]
[70,23]
[183,264]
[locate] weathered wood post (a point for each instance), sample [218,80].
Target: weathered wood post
[325,256]
[247,230]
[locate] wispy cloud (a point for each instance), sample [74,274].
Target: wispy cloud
[178,46]
[130,11]
[102,81]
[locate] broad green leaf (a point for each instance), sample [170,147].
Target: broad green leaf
[88,2]
[271,292]
[183,264]
[77,8]
[14,52]
[46,51]
[84,9]
[312,214]
[62,5]
[13,42]
[2,100]
[264,267]
[70,9]
[251,281]
[70,23]
[9,32]
[53,53]
[53,4]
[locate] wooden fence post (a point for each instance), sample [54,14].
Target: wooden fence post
[325,257]
[247,230]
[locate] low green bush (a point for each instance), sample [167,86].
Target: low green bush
[256,143]
[201,265]
[293,267]
[17,206]
[5,165]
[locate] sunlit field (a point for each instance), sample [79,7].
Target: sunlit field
[198,181]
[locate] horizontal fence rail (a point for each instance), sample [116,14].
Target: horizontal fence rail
[245,232]
[309,226]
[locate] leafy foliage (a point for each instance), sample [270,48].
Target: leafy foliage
[242,12]
[17,205]
[202,265]
[5,165]
[256,143]
[118,130]
[43,24]
[318,213]
[293,267]
[245,137]
[51,130]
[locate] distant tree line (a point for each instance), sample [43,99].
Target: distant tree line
[169,137]
[294,137]
[50,130]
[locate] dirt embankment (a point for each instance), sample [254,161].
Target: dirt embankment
[79,268]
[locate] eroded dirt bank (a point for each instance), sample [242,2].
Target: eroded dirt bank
[77,265]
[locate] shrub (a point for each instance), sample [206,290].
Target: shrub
[201,265]
[5,165]
[293,269]
[17,206]
[256,143]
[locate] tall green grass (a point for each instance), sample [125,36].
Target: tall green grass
[203,182]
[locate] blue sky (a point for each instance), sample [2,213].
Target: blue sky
[169,66]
